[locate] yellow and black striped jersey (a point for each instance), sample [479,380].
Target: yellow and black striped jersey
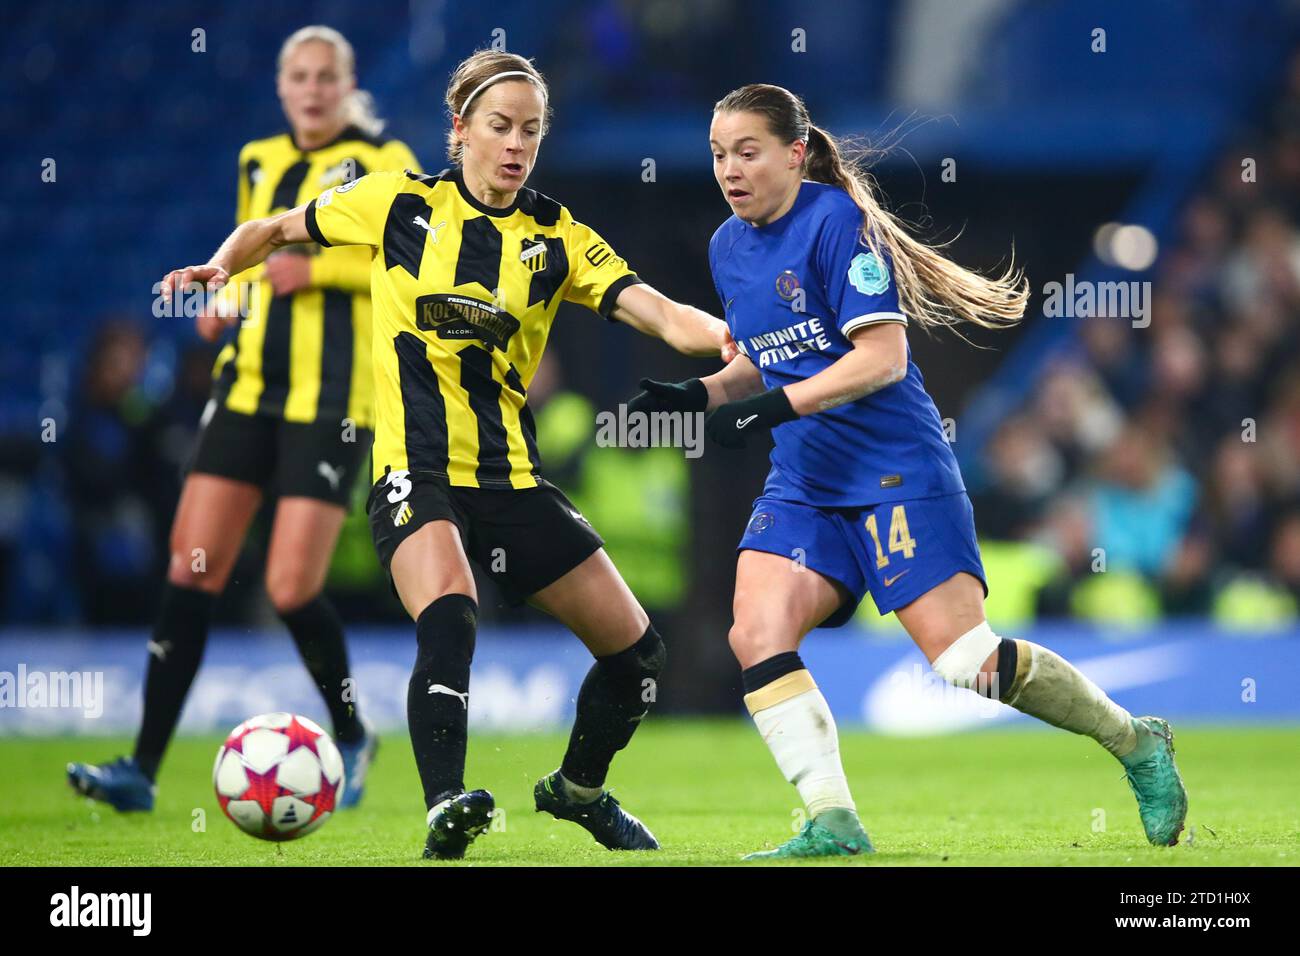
[304,356]
[464,296]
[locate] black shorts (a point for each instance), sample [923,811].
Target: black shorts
[523,539]
[289,459]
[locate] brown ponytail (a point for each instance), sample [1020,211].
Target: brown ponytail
[932,289]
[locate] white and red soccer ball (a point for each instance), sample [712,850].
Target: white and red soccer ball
[278,776]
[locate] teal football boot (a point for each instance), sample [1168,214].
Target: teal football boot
[1153,777]
[817,839]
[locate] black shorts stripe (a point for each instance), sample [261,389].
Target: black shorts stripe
[484,400]
[275,356]
[424,411]
[336,354]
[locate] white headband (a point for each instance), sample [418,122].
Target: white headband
[492,79]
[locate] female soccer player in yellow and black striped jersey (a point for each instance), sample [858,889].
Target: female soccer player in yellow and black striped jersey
[291,414]
[469,268]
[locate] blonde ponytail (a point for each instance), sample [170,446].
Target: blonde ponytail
[359,109]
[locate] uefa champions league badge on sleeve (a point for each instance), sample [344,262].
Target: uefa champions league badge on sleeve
[868,274]
[760,522]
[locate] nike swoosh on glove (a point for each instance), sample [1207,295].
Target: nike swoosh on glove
[731,424]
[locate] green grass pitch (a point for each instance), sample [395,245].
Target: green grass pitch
[711,792]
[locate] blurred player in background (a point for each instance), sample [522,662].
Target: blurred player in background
[864,493]
[291,415]
[469,270]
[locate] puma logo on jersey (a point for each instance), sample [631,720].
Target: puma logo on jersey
[431,230]
[159,649]
[742,422]
[444,689]
[889,581]
[579,516]
[329,473]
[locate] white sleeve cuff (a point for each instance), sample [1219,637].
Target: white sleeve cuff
[857,323]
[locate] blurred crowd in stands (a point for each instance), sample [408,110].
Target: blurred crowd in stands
[1157,470]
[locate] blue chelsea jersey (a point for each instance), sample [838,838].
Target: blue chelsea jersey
[792,291]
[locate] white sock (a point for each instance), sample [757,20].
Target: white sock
[1052,689]
[797,726]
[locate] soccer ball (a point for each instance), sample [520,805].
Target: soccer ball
[278,776]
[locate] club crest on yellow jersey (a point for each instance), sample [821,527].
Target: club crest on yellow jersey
[534,254]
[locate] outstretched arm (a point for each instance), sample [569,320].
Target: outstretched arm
[878,359]
[249,244]
[735,381]
[683,327]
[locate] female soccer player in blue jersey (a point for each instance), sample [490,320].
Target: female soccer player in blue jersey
[819,284]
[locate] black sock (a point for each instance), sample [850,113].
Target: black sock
[318,632]
[179,635]
[615,695]
[438,719]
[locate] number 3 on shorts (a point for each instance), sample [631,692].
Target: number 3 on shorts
[401,486]
[900,539]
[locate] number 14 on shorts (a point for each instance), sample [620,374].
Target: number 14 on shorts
[900,538]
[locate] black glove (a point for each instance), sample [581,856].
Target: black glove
[731,424]
[688,396]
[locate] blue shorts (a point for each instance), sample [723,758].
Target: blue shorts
[897,550]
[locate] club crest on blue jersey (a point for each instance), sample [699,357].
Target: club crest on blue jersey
[868,274]
[787,284]
[760,522]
